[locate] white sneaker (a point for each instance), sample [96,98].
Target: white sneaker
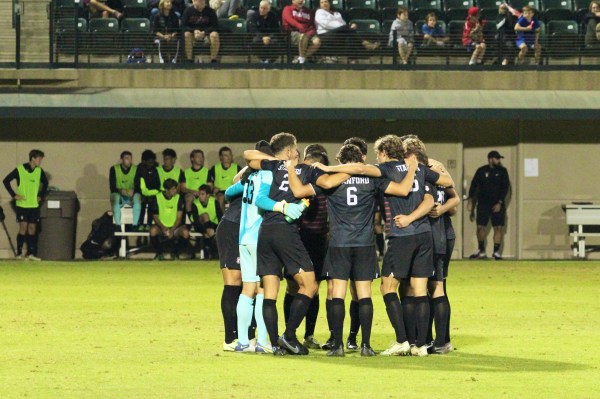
[34,258]
[419,350]
[497,256]
[19,257]
[230,347]
[397,349]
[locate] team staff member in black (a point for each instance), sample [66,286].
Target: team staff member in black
[147,183]
[32,186]
[488,192]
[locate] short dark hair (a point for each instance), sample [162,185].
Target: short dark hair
[169,184]
[148,155]
[349,153]
[205,188]
[391,145]
[36,154]
[169,152]
[401,10]
[318,156]
[223,149]
[360,143]
[281,141]
[125,153]
[314,148]
[194,152]
[264,147]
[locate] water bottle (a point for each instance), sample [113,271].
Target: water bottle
[305,204]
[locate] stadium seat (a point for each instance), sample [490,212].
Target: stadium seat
[420,9]
[557,10]
[68,25]
[457,9]
[389,8]
[66,8]
[234,38]
[367,25]
[103,36]
[581,8]
[362,13]
[135,8]
[386,26]
[64,30]
[371,4]
[455,30]
[136,34]
[563,38]
[232,25]
[489,8]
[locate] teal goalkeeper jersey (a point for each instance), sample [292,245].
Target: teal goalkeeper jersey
[251,215]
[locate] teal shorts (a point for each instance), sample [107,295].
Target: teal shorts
[248,261]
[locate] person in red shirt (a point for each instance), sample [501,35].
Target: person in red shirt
[473,36]
[300,22]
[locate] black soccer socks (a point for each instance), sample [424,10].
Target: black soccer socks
[297,312]
[410,318]
[338,312]
[32,244]
[229,299]
[354,319]
[365,311]
[394,312]
[311,316]
[20,242]
[287,305]
[441,309]
[422,310]
[270,316]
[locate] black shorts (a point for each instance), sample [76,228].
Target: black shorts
[316,246]
[484,213]
[228,243]
[354,263]
[279,246]
[438,267]
[29,215]
[409,256]
[449,250]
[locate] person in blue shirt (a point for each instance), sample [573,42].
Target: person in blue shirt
[528,35]
[433,33]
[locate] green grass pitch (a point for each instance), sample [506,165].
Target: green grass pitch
[141,329]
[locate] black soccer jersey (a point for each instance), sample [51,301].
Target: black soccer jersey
[234,211]
[280,188]
[351,209]
[438,226]
[395,171]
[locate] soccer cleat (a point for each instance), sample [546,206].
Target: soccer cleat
[34,258]
[367,351]
[230,347]
[419,350]
[351,344]
[264,348]
[244,348]
[337,352]
[397,349]
[19,257]
[311,343]
[444,349]
[159,257]
[278,351]
[497,256]
[292,345]
[478,255]
[328,345]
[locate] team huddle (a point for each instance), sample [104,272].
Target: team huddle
[309,222]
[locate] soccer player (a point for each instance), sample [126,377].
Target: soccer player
[250,224]
[227,238]
[147,183]
[221,175]
[32,186]
[351,254]
[279,244]
[206,215]
[168,170]
[121,179]
[409,239]
[195,176]
[167,210]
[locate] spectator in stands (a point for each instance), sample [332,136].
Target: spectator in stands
[505,22]
[433,34]
[165,25]
[405,34]
[178,6]
[105,9]
[264,24]
[221,175]
[592,27]
[206,217]
[331,26]
[473,36]
[200,24]
[226,8]
[167,209]
[195,177]
[300,22]
[528,35]
[121,179]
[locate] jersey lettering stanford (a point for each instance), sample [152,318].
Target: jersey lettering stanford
[351,209]
[395,171]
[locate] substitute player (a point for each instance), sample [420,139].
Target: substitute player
[32,186]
